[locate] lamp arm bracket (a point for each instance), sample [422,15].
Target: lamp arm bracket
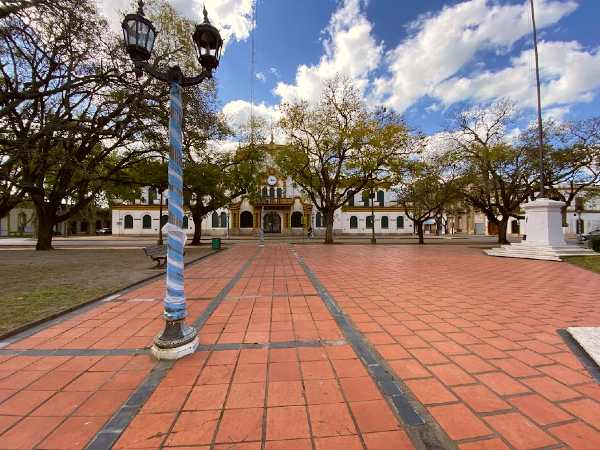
[152,71]
[193,81]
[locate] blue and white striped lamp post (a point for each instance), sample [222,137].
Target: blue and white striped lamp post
[178,339]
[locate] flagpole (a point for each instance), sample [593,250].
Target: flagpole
[539,102]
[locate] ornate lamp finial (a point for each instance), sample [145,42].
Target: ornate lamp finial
[140,10]
[205,15]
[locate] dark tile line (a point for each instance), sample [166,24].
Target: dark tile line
[31,329]
[111,431]
[584,358]
[269,345]
[420,426]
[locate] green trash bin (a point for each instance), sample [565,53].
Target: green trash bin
[216,244]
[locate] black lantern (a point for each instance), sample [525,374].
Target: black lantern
[139,34]
[208,44]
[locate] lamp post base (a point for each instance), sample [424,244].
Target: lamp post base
[176,341]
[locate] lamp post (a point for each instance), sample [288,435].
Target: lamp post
[178,339]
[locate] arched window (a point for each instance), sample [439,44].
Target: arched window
[380,198]
[164,220]
[128,221]
[146,222]
[279,192]
[223,220]
[21,222]
[400,222]
[272,192]
[365,198]
[186,223]
[351,200]
[384,222]
[246,220]
[369,221]
[353,222]
[215,220]
[296,219]
[84,226]
[318,220]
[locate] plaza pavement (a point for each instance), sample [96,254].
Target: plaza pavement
[457,350]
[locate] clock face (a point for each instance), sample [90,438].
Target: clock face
[272,180]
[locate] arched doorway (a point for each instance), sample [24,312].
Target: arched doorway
[272,223]
[296,219]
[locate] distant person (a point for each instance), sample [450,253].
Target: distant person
[310,232]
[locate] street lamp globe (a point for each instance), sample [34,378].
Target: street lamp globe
[208,44]
[139,34]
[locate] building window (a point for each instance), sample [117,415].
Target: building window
[186,223]
[272,192]
[279,192]
[84,226]
[514,227]
[246,220]
[365,198]
[265,192]
[318,220]
[98,224]
[369,221]
[353,222]
[381,198]
[128,221]
[296,219]
[151,196]
[384,221]
[351,200]
[164,220]
[580,226]
[146,222]
[223,220]
[215,220]
[400,222]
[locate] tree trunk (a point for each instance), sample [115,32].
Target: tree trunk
[502,229]
[160,214]
[420,233]
[197,228]
[328,217]
[563,211]
[45,224]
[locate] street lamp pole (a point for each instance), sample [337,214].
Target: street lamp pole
[178,339]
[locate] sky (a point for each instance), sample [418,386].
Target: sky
[423,58]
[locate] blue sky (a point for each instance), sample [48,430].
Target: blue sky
[423,58]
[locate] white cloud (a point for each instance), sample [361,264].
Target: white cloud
[569,74]
[350,49]
[232,17]
[237,114]
[261,77]
[275,72]
[442,44]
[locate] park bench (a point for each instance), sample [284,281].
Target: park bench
[158,253]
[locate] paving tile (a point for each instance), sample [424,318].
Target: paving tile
[74,433]
[293,444]
[62,404]
[247,395]
[501,383]
[459,422]
[407,369]
[480,398]
[430,391]
[472,363]
[388,440]
[191,428]
[577,436]
[102,404]
[29,432]
[520,432]
[373,415]
[316,370]
[586,409]
[8,421]
[349,368]
[285,393]
[428,356]
[359,389]
[515,368]
[539,409]
[240,425]
[166,399]
[451,374]
[323,391]
[565,375]
[486,444]
[551,389]
[247,373]
[287,422]
[332,419]
[24,402]
[338,442]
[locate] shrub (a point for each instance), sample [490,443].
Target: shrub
[596,243]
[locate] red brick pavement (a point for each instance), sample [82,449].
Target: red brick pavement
[475,338]
[472,337]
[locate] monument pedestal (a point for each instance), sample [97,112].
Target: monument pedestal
[545,238]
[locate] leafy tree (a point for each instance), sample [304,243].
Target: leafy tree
[425,187]
[337,145]
[498,175]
